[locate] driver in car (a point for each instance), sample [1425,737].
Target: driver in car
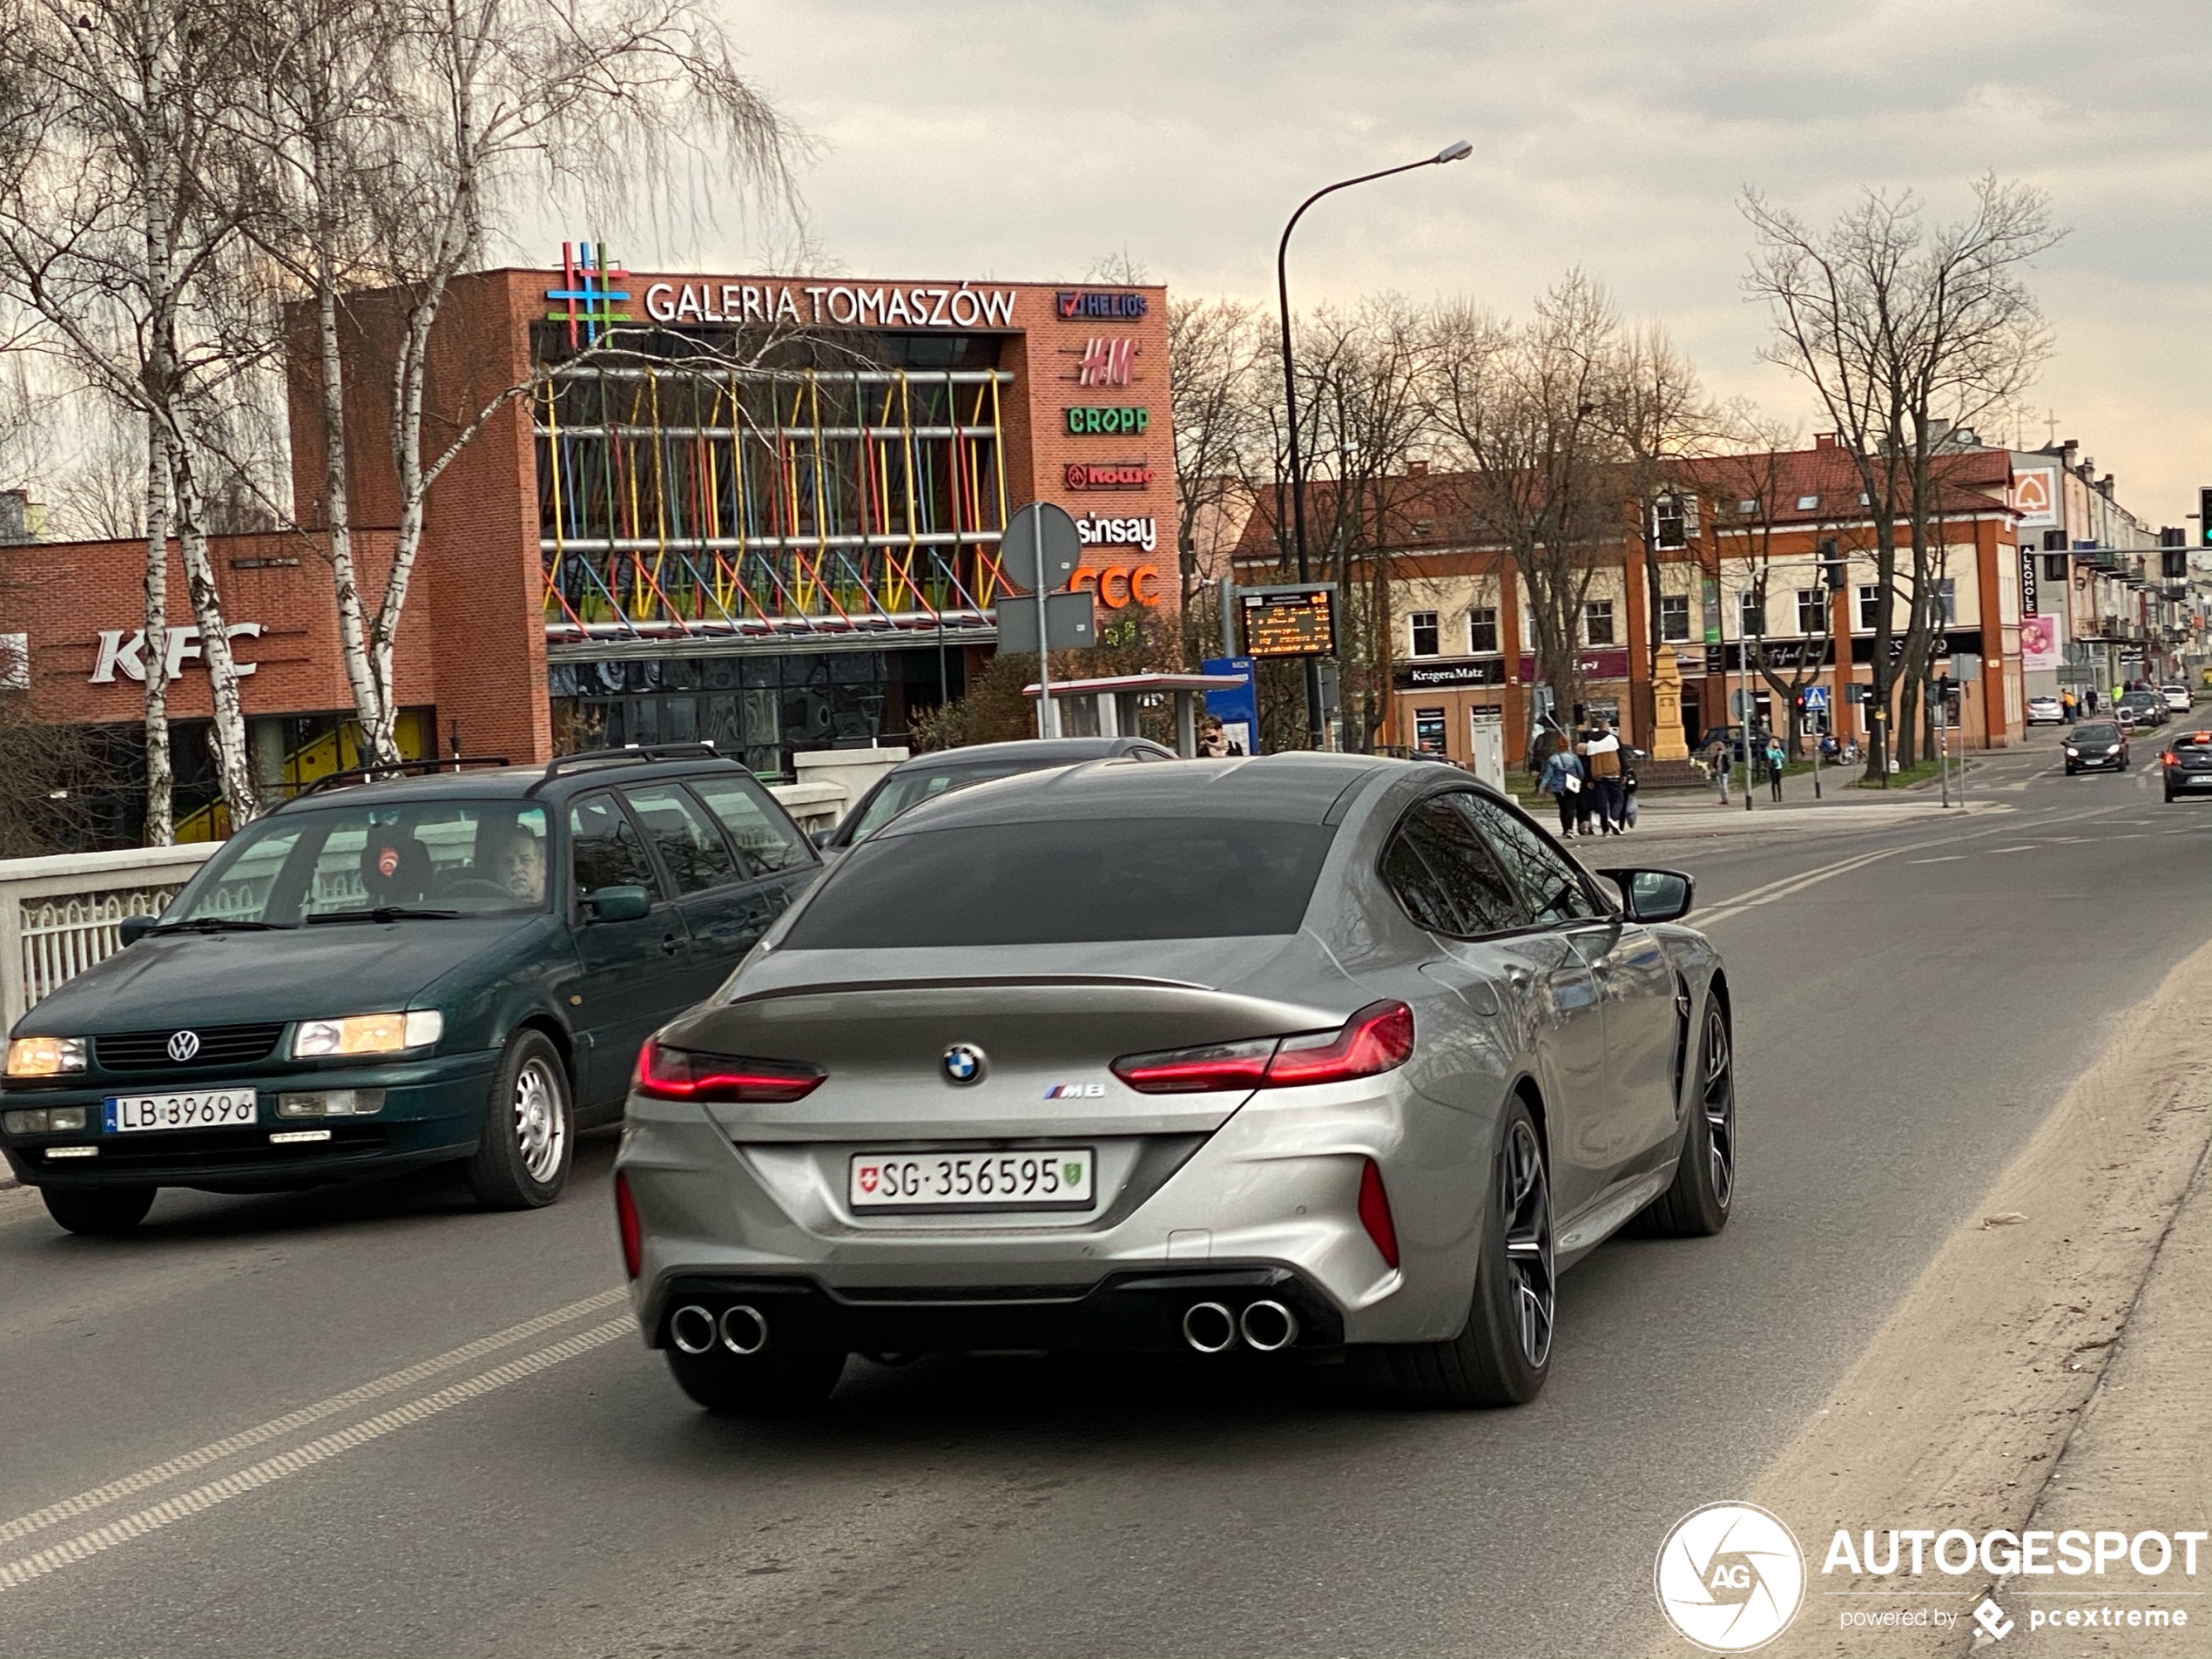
[518,864]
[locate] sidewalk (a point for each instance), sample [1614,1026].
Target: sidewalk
[2142,1457]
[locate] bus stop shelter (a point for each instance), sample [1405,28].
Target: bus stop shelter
[1106,708]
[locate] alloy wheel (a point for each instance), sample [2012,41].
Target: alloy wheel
[541,1127]
[1526,1205]
[1716,1094]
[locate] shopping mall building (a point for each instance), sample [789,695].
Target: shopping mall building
[762,511]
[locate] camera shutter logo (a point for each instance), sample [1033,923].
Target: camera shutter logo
[182,1045]
[1730,1577]
[964,1064]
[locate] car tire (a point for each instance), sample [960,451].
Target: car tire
[757,1385]
[2069,771]
[98,1212]
[2169,798]
[1697,1204]
[529,1140]
[1502,1355]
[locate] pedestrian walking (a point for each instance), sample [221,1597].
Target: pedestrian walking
[2068,709]
[1627,789]
[1776,758]
[1717,761]
[1562,781]
[1602,753]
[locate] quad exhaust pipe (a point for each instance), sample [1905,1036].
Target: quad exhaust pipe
[695,1330]
[1209,1327]
[1268,1326]
[1265,1326]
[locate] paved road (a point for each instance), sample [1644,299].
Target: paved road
[380,1424]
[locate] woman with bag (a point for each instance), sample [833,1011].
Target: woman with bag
[1563,781]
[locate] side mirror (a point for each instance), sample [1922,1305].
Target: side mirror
[618,904]
[132,929]
[821,837]
[1653,895]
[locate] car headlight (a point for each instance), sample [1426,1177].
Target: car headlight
[47,1120]
[45,1056]
[367,1034]
[2114,750]
[2073,753]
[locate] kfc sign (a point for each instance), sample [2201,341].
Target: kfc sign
[127,652]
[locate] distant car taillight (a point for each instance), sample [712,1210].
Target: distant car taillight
[2168,759]
[1378,1038]
[633,1247]
[683,1074]
[1374,1212]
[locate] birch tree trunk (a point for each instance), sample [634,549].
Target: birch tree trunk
[160,826]
[233,764]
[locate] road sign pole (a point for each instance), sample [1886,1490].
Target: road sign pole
[1048,717]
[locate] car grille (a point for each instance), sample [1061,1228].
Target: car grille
[220,1045]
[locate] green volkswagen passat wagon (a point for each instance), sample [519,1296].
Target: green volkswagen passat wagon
[424,968]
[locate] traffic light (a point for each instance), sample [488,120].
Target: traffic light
[1831,565]
[2204,517]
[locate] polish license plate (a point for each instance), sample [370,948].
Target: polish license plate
[1053,1177]
[203,1109]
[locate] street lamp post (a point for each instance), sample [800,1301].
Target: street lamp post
[1450,152]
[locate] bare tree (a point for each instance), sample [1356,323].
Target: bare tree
[110,133]
[1218,361]
[395,136]
[1905,331]
[1524,406]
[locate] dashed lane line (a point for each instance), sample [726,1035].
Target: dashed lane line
[170,1511]
[260,1433]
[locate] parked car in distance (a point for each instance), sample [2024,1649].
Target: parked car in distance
[2046,711]
[928,776]
[458,967]
[2177,697]
[2188,762]
[2140,708]
[1356,1029]
[1733,735]
[2097,746]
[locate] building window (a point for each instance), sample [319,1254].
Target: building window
[1812,611]
[1869,606]
[1670,522]
[1482,630]
[1424,624]
[1673,616]
[1428,730]
[1597,622]
[1750,614]
[1946,599]
[1747,508]
[1808,503]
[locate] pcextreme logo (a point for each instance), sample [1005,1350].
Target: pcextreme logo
[1730,1577]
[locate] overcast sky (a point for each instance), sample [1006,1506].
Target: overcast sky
[960,138]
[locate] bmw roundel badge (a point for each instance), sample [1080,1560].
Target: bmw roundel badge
[964,1064]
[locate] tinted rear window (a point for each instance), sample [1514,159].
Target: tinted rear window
[1067,882]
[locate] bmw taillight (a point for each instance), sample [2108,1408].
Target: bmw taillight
[633,1245]
[685,1074]
[1378,1038]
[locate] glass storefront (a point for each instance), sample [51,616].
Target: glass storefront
[765,708]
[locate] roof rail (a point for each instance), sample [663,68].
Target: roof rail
[398,769]
[634,754]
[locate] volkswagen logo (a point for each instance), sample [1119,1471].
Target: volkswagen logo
[182,1045]
[964,1064]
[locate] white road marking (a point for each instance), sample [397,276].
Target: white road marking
[1948,858]
[1791,885]
[100,1497]
[84,1546]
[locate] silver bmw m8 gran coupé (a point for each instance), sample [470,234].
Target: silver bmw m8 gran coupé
[1268,1056]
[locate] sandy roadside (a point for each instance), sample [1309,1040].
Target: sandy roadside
[1958,1411]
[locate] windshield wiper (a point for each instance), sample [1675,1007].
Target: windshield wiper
[220,925]
[383,913]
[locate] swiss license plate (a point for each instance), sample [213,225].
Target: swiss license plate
[1053,1177]
[203,1109]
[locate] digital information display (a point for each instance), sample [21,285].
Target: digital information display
[1290,622]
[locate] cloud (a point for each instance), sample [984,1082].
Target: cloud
[1026,139]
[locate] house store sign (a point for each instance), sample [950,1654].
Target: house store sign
[126,652]
[1119,475]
